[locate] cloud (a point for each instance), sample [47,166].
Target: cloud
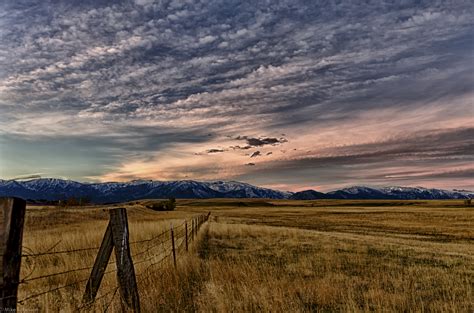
[118,83]
[418,160]
[215,150]
[207,39]
[27,176]
[262,141]
[241,147]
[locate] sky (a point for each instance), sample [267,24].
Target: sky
[286,94]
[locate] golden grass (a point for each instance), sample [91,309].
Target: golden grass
[278,269]
[270,256]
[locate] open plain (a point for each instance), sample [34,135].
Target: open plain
[262,256]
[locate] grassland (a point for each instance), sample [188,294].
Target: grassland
[271,256]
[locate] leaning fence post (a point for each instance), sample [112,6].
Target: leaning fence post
[186,233]
[123,259]
[11,236]
[172,245]
[100,265]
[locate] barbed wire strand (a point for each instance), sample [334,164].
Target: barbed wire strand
[150,239]
[111,300]
[60,252]
[149,249]
[153,264]
[55,274]
[89,304]
[58,288]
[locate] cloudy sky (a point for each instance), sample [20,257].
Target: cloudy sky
[288,94]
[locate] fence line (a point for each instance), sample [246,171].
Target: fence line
[179,238]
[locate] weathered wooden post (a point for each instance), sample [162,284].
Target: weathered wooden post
[172,245]
[123,259]
[11,237]
[100,265]
[186,233]
[116,237]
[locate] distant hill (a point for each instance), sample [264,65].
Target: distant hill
[309,195]
[57,189]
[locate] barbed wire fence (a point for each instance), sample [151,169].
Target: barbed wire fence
[148,253]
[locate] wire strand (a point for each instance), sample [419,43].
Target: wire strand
[55,274]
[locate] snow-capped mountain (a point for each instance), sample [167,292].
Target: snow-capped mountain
[57,189]
[402,193]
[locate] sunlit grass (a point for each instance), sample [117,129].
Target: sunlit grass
[270,256]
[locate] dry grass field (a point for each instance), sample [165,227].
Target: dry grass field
[267,256]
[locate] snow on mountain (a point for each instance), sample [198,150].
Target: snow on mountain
[425,193]
[395,192]
[56,189]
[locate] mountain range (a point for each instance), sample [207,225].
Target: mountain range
[49,189]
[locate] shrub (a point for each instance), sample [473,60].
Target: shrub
[168,205]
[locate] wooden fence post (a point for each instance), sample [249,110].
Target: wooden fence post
[100,265]
[123,258]
[172,245]
[11,236]
[116,237]
[186,233]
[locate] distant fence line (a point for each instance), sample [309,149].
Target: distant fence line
[116,238]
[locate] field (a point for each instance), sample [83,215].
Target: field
[265,256]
